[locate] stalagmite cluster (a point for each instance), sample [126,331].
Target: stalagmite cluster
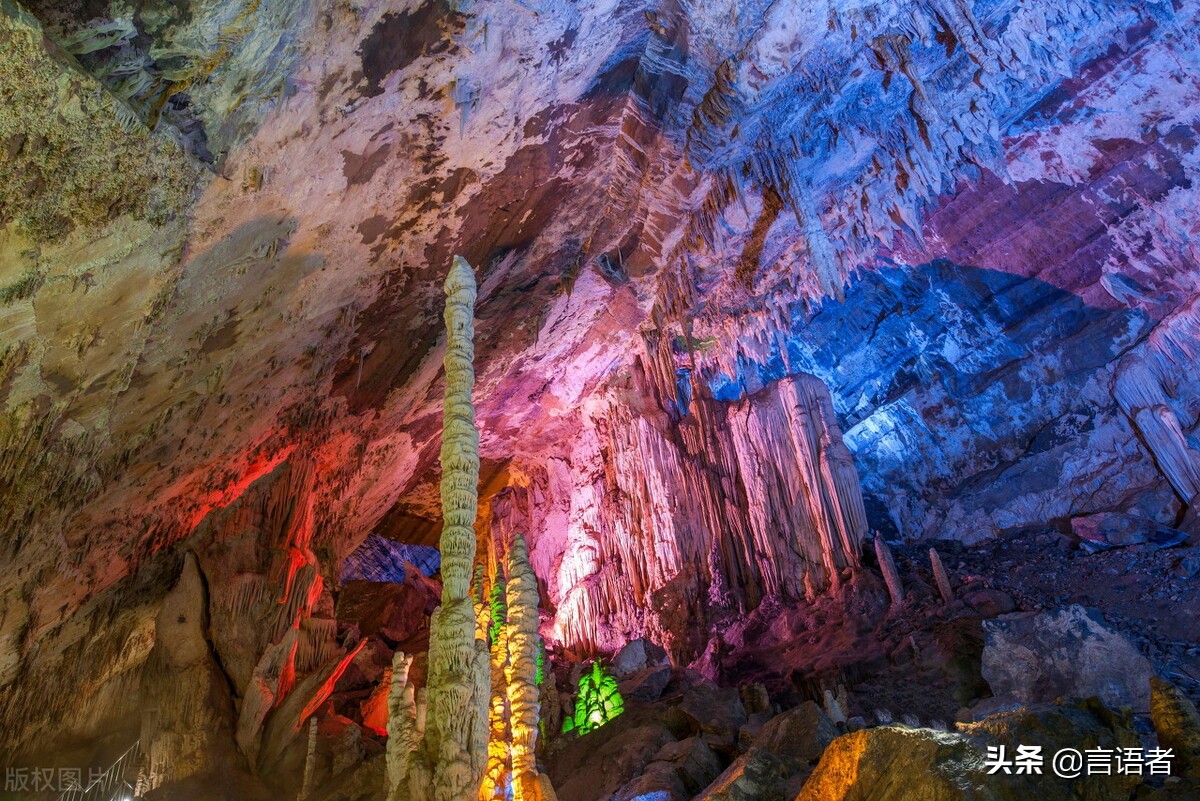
[450,753]
[514,722]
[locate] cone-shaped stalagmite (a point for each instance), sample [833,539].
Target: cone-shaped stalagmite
[939,575]
[888,566]
[448,764]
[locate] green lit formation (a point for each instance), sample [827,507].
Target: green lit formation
[499,608]
[597,702]
[541,663]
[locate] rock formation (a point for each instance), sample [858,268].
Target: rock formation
[891,576]
[187,718]
[669,551]
[905,764]
[521,674]
[448,761]
[499,767]
[404,728]
[1177,725]
[939,576]
[1072,653]
[754,278]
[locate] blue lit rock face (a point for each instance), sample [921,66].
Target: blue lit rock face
[381,559]
[973,400]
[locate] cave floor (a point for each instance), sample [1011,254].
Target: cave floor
[921,662]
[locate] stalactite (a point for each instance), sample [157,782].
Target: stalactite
[939,576]
[887,565]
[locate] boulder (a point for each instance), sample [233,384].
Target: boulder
[904,764]
[1066,653]
[1178,726]
[679,771]
[660,783]
[606,760]
[1186,567]
[798,735]
[712,710]
[637,655]
[1104,530]
[989,602]
[647,684]
[779,760]
[693,761]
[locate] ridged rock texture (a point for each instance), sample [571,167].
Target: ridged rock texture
[754,278]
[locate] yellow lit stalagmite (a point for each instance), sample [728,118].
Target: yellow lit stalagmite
[499,766]
[521,673]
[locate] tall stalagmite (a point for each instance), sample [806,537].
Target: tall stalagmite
[448,763]
[522,671]
[499,766]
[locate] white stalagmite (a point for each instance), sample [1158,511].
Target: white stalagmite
[403,731]
[522,672]
[449,761]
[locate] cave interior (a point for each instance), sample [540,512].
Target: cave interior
[655,400]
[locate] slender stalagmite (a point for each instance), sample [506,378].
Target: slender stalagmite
[449,762]
[890,575]
[939,575]
[522,671]
[457,706]
[499,767]
[403,728]
[310,760]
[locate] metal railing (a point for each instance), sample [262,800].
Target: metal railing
[117,783]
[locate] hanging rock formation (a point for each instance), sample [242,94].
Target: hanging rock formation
[687,516]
